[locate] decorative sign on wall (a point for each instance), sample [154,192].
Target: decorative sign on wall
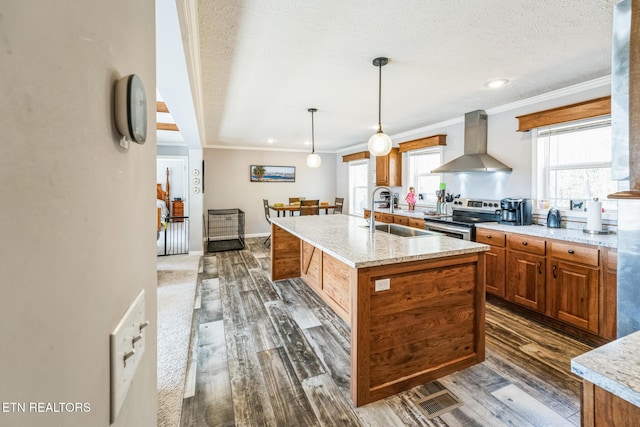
[261,173]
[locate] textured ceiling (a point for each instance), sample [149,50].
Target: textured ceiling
[265,62]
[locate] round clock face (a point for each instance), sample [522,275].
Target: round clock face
[137,103]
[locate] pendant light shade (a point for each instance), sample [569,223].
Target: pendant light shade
[380,143]
[313,159]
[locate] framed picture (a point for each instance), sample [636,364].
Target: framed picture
[262,173]
[578,205]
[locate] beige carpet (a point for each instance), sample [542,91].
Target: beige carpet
[177,277]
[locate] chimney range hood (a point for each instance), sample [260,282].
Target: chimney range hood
[475,157]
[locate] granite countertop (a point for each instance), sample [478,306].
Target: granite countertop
[614,367]
[348,239]
[566,234]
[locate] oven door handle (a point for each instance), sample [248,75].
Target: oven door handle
[438,227]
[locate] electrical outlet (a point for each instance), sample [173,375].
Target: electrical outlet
[383,285]
[127,342]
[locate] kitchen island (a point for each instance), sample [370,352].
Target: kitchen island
[415,305]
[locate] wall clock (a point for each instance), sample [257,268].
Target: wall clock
[131,108]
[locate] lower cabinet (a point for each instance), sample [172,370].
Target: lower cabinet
[526,284]
[575,285]
[601,408]
[570,282]
[526,271]
[495,260]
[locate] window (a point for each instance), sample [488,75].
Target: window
[358,177]
[574,163]
[421,163]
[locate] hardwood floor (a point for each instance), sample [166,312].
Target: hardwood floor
[272,353]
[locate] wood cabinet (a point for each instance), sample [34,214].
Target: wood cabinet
[526,271]
[177,209]
[609,294]
[396,219]
[495,260]
[389,169]
[574,285]
[601,408]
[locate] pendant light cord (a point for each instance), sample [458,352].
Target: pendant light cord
[380,98]
[313,143]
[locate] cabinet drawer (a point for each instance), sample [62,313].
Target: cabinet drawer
[416,223]
[490,237]
[385,217]
[575,253]
[402,220]
[532,245]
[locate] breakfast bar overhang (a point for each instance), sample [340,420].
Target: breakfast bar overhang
[415,305]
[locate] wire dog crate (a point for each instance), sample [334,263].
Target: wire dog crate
[225,231]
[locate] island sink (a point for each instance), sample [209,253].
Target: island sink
[403,231]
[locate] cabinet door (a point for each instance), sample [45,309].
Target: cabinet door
[389,169]
[526,280]
[574,294]
[416,223]
[495,260]
[382,170]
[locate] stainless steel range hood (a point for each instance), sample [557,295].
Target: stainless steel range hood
[475,157]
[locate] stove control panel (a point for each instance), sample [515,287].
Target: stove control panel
[476,204]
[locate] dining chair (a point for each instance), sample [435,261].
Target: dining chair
[339,202]
[291,201]
[309,207]
[267,216]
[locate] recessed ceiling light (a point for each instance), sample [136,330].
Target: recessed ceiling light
[271,140]
[307,143]
[495,84]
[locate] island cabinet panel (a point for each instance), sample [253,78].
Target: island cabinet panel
[427,322]
[311,259]
[603,409]
[416,223]
[335,283]
[285,254]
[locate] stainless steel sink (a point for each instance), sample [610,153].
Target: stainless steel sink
[404,231]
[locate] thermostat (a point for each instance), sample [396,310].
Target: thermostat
[131,108]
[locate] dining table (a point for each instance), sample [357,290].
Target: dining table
[291,208]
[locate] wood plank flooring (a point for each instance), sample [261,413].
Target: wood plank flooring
[273,354]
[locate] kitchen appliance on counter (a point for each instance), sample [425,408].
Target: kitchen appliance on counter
[516,211]
[554,218]
[385,199]
[465,214]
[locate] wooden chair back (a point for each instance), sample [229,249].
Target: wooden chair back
[294,200]
[267,213]
[309,207]
[339,202]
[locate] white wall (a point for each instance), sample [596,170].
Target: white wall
[504,142]
[78,242]
[227,183]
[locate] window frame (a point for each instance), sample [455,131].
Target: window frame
[353,210]
[412,176]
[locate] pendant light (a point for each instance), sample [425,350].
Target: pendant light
[313,160]
[380,143]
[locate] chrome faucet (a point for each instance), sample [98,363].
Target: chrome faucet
[372,222]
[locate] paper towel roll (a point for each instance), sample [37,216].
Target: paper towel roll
[594,215]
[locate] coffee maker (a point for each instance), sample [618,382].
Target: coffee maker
[515,211]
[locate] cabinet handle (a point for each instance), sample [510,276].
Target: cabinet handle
[524,243]
[539,267]
[571,251]
[488,236]
[554,271]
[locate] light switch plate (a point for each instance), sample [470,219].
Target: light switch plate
[383,285]
[125,352]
